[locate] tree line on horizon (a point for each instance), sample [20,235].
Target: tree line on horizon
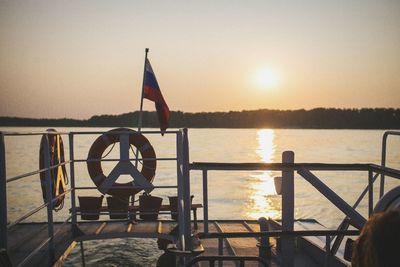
[318,118]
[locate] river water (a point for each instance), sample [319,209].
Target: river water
[232,195]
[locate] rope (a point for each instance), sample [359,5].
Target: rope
[109,151]
[141,161]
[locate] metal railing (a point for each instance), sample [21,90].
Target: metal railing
[288,167]
[182,187]
[279,234]
[205,167]
[383,158]
[6,226]
[79,160]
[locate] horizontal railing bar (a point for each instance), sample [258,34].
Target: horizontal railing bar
[138,212]
[18,177]
[123,132]
[213,166]
[126,187]
[30,213]
[391,133]
[118,159]
[65,221]
[278,233]
[6,133]
[34,252]
[27,215]
[277,166]
[385,170]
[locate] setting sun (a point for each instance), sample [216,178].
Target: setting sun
[267,78]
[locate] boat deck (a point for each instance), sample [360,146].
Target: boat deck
[24,238]
[296,243]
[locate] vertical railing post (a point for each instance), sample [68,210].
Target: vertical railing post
[370,192]
[72,179]
[184,202]
[264,250]
[288,209]
[181,243]
[327,250]
[3,194]
[383,164]
[49,198]
[82,254]
[205,201]
[186,188]
[220,250]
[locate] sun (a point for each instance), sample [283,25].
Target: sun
[267,78]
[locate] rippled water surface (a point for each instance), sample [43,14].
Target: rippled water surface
[232,195]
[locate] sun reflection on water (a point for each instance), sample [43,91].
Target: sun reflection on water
[263,201]
[266,147]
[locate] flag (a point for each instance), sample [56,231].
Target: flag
[152,91]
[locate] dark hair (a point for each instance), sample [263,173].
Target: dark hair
[379,241]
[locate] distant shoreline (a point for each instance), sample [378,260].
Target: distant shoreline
[319,118]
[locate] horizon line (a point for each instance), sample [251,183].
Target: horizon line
[199,112]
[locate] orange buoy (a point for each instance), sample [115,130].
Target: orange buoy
[100,145]
[58,175]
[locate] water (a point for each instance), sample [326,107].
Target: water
[232,195]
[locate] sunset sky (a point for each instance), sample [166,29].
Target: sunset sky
[76,59]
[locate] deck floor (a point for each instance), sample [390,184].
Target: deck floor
[24,238]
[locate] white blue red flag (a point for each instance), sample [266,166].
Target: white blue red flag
[152,92]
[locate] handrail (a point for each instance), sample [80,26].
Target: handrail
[385,170]
[383,159]
[224,166]
[278,233]
[3,195]
[126,187]
[13,133]
[131,159]
[35,210]
[122,132]
[24,175]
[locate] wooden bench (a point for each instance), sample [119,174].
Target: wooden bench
[134,209]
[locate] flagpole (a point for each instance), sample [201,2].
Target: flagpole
[141,103]
[141,98]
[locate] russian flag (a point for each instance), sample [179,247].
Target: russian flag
[152,91]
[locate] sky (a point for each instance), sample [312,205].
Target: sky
[77,59]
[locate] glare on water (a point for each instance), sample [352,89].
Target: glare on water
[266,146]
[262,198]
